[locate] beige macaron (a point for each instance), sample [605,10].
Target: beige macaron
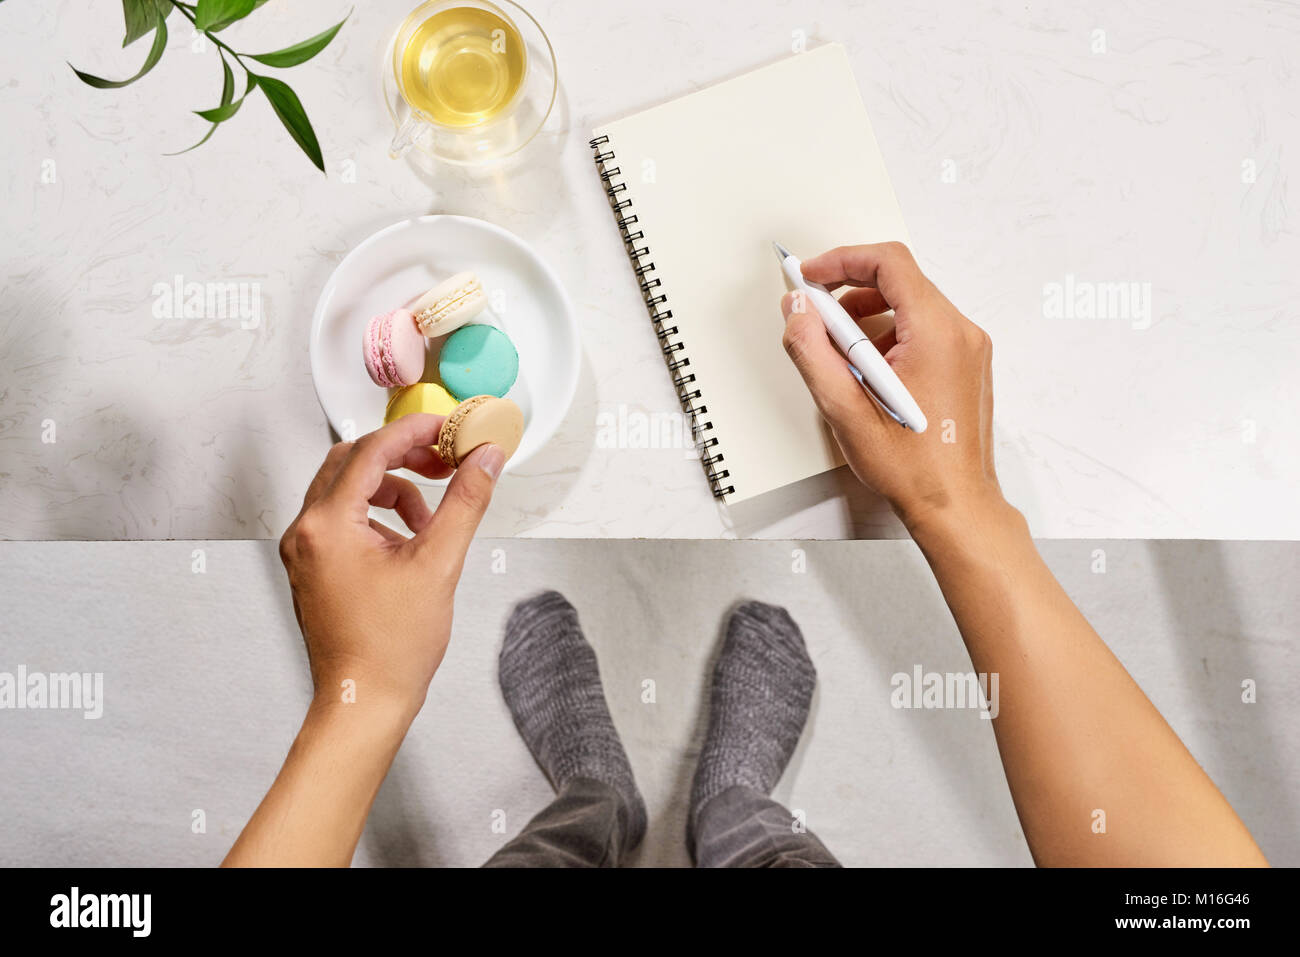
[449,305]
[477,421]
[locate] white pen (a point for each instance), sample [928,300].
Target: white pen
[867,364]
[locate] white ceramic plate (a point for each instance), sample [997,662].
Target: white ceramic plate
[399,263]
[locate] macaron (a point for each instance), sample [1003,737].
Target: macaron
[421,397]
[449,305]
[393,349]
[478,360]
[477,421]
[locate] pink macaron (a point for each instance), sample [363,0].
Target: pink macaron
[394,349]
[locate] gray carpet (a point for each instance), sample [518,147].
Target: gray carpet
[205,683]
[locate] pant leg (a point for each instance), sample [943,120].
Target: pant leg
[742,827]
[585,826]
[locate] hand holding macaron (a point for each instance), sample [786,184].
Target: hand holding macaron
[374,606]
[375,611]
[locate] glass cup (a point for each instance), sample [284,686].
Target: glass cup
[469,80]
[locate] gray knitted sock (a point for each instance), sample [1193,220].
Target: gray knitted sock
[551,682]
[762,686]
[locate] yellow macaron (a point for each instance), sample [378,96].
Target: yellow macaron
[421,397]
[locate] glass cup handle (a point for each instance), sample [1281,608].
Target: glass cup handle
[406,136]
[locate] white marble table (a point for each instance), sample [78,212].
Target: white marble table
[1135,143]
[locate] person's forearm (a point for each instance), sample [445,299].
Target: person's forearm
[1077,736]
[315,812]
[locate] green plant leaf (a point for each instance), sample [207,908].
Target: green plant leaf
[289,109]
[228,82]
[215,15]
[206,136]
[155,54]
[227,109]
[256,4]
[140,18]
[300,52]
[227,96]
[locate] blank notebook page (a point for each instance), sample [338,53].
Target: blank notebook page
[784,153]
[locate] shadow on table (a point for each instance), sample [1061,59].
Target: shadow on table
[1218,653]
[528,179]
[890,601]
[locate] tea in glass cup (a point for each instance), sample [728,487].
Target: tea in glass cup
[463,65]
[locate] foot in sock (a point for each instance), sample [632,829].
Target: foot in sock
[762,687]
[551,682]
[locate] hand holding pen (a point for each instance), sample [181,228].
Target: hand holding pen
[1016,620]
[936,357]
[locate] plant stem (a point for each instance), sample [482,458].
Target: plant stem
[185,9]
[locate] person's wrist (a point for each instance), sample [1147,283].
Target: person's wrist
[348,680]
[939,519]
[352,688]
[376,717]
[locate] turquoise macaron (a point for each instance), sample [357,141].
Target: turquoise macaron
[478,360]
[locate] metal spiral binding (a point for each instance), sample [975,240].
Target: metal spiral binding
[674,349]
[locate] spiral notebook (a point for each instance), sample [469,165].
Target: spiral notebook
[700,187]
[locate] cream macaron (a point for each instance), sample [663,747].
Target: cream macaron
[449,305]
[477,421]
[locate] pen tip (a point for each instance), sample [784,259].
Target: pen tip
[781,252]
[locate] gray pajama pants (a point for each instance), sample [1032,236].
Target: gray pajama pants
[586,826]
